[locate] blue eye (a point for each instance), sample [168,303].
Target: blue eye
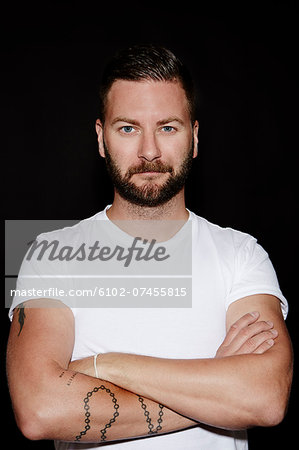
[127,129]
[168,129]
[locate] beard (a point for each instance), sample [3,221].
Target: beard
[150,193]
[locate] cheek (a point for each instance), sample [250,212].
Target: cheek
[174,147]
[122,151]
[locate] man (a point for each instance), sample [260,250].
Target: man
[193,377]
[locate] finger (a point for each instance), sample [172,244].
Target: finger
[256,341]
[264,347]
[244,321]
[246,333]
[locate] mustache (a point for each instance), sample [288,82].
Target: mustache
[146,166]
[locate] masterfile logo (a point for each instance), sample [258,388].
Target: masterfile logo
[99,263]
[143,250]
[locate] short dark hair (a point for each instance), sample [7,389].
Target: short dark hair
[146,62]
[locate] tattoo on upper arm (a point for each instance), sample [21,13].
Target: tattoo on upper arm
[87,413]
[22,315]
[148,418]
[71,378]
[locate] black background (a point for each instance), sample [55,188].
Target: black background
[243,57]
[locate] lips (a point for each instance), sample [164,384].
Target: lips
[150,168]
[151,171]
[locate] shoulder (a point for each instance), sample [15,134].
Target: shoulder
[68,234]
[225,238]
[70,231]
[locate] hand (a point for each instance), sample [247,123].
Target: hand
[84,365]
[248,336]
[245,336]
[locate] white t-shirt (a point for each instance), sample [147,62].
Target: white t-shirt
[226,266]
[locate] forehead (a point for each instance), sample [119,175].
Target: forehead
[146,98]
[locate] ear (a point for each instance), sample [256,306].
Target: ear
[195,138]
[100,132]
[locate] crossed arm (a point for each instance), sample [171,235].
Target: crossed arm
[246,384]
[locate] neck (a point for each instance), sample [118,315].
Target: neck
[174,209]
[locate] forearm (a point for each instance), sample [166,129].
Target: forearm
[52,400]
[71,406]
[246,384]
[228,392]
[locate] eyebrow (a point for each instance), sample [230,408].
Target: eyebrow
[125,119]
[170,119]
[160,122]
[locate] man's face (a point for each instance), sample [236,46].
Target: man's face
[147,140]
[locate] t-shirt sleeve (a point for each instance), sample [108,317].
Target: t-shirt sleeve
[254,274]
[40,278]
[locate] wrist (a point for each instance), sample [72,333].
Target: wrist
[113,367]
[103,366]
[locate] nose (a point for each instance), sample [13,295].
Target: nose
[148,147]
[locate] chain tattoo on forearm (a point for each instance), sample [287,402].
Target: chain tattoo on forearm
[87,413]
[148,418]
[116,414]
[21,319]
[151,431]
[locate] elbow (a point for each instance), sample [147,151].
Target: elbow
[270,415]
[31,431]
[273,407]
[31,425]
[32,419]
